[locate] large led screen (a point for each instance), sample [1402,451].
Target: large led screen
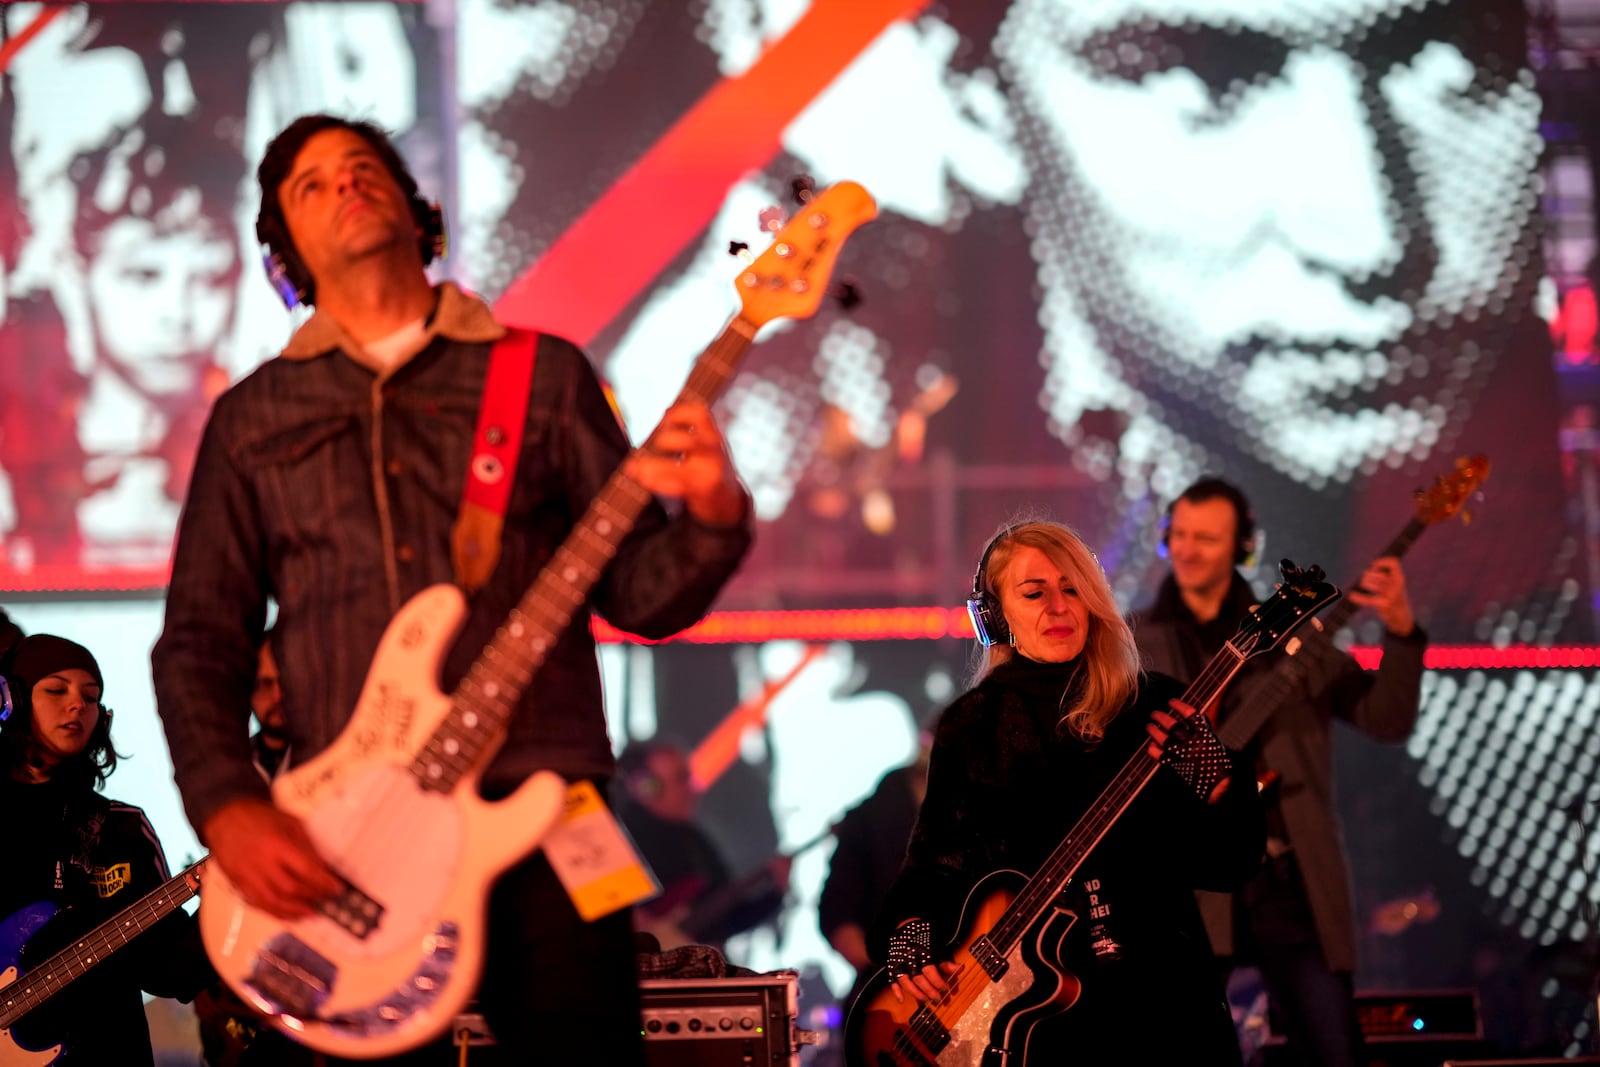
[1121,244]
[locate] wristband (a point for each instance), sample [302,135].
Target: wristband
[910,948]
[1192,749]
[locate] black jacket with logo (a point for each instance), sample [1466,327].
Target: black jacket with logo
[91,857]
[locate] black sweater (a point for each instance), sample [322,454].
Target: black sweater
[1006,784]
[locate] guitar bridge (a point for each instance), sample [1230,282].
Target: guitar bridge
[292,977]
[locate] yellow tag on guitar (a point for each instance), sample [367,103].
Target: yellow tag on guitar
[594,859]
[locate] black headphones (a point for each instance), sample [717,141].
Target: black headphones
[988,621]
[7,661]
[293,282]
[1244,520]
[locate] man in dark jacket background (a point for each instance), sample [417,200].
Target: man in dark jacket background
[1295,920]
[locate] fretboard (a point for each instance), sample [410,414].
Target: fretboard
[1238,729]
[41,983]
[482,705]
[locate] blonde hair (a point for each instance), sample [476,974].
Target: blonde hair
[1109,664]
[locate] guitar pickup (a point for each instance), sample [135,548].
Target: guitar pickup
[989,958]
[355,912]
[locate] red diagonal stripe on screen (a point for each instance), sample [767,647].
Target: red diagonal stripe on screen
[628,236]
[9,50]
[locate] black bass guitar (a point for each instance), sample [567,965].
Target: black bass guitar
[1011,925]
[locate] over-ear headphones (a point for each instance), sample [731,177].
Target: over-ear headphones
[293,282]
[1247,537]
[988,621]
[7,661]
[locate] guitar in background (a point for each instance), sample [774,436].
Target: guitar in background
[691,911]
[1446,500]
[700,902]
[1395,916]
[716,752]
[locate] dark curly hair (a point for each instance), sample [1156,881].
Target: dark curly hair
[272,229]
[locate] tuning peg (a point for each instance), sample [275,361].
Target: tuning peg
[771,219]
[739,249]
[847,293]
[802,188]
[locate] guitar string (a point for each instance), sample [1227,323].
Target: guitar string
[1131,778]
[1043,886]
[1024,910]
[363,850]
[1124,786]
[1239,729]
[25,993]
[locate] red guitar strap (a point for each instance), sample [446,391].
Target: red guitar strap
[496,444]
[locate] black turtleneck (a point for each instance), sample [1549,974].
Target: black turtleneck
[1049,688]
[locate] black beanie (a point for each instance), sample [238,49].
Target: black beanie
[36,657]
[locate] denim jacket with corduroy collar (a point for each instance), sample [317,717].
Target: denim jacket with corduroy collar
[330,485]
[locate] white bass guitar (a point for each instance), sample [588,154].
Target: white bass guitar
[393,803]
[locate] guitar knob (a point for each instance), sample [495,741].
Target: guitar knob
[771,219]
[1292,646]
[1316,622]
[739,249]
[802,188]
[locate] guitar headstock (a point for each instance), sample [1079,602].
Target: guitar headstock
[1300,595]
[1451,492]
[790,278]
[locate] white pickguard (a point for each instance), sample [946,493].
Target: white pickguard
[427,859]
[358,828]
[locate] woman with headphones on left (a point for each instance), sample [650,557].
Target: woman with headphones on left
[69,847]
